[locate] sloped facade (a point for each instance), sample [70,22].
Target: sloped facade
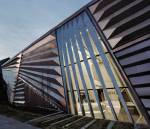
[95,63]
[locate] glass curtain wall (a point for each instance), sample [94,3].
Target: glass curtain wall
[93,84]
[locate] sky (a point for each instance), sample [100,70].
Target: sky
[23,21]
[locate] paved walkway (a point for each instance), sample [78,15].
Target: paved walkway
[10,123]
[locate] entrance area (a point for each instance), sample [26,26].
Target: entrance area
[93,84]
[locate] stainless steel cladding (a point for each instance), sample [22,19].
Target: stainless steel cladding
[10,72]
[125,24]
[95,63]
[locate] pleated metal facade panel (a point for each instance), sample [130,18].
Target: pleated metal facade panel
[40,71]
[101,37]
[19,92]
[123,21]
[135,61]
[10,73]
[126,26]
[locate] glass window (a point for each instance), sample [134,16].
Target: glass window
[72,78]
[84,50]
[77,47]
[80,82]
[85,103]
[67,54]
[86,76]
[131,106]
[67,81]
[79,108]
[94,104]
[116,72]
[71,103]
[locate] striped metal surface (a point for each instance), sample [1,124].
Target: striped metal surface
[126,26]
[34,76]
[135,61]
[123,21]
[40,70]
[10,72]
[19,93]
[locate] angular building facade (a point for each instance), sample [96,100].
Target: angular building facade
[96,63]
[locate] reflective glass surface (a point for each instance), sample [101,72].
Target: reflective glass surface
[91,76]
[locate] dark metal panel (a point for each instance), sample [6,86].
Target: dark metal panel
[126,35]
[143,91]
[133,49]
[138,69]
[140,80]
[135,58]
[146,102]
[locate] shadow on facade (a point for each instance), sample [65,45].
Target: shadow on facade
[3,87]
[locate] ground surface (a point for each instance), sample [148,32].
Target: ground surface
[10,123]
[14,118]
[17,114]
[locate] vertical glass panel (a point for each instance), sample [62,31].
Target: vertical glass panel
[71,50]
[66,76]
[101,95]
[78,48]
[131,106]
[63,57]
[94,74]
[79,77]
[78,103]
[92,43]
[105,75]
[67,54]
[119,109]
[85,103]
[105,105]
[94,104]
[86,76]
[83,44]
[70,103]
[72,78]
[116,72]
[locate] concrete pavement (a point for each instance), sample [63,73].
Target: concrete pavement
[10,123]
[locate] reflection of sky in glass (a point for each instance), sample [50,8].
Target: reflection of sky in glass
[10,76]
[23,21]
